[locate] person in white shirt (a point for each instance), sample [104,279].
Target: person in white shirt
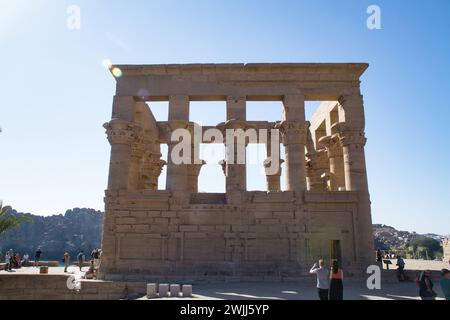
[323,279]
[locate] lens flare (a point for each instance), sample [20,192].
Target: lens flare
[116,72]
[107,63]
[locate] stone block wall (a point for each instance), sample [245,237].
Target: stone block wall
[148,236]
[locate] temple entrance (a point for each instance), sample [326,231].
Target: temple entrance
[335,250]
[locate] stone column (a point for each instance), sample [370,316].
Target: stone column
[136,159]
[121,136]
[151,170]
[179,107]
[236,175]
[334,151]
[293,129]
[272,179]
[193,171]
[236,108]
[318,170]
[176,173]
[317,165]
[178,119]
[353,140]
[235,163]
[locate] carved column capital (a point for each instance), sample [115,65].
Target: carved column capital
[267,165]
[151,170]
[234,124]
[293,132]
[122,132]
[194,169]
[350,136]
[332,145]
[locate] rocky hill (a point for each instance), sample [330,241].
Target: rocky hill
[76,229]
[81,229]
[388,238]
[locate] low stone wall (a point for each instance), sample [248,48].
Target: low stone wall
[54,287]
[40,263]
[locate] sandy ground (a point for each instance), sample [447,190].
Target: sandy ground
[411,264]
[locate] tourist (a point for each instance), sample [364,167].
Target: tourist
[12,261]
[66,260]
[25,260]
[80,259]
[91,272]
[426,286]
[17,260]
[7,261]
[445,283]
[37,256]
[323,279]
[380,258]
[95,255]
[336,285]
[400,268]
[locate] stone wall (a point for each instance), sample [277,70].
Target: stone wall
[54,287]
[270,237]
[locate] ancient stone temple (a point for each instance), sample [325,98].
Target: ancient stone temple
[323,211]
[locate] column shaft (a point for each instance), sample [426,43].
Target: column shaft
[236,173]
[178,119]
[294,130]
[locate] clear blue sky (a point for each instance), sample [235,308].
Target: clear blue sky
[55,94]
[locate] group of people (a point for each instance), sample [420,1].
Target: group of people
[426,286]
[91,273]
[424,280]
[329,282]
[401,275]
[13,260]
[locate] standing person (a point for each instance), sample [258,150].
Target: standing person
[80,259]
[380,258]
[66,259]
[336,284]
[37,256]
[17,260]
[26,260]
[426,286]
[7,261]
[400,268]
[12,260]
[323,279]
[445,283]
[95,255]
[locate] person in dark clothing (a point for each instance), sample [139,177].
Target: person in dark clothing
[336,284]
[401,269]
[37,257]
[379,258]
[445,283]
[80,259]
[425,284]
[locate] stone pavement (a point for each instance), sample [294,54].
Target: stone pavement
[304,290]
